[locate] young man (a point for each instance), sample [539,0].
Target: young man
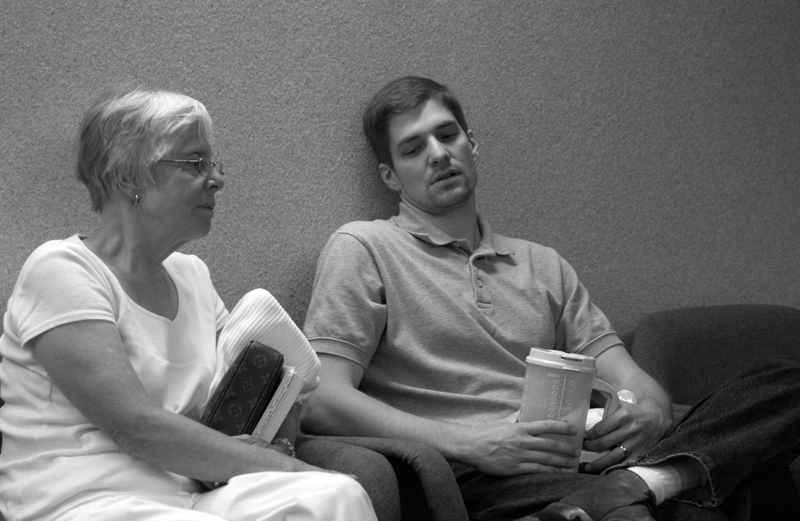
[423,322]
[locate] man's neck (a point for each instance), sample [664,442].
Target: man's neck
[459,223]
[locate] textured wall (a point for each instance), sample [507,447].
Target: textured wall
[654,144]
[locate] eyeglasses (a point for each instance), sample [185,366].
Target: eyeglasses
[205,166]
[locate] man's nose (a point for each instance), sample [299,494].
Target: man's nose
[438,153]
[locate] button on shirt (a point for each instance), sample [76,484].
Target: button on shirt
[443,332]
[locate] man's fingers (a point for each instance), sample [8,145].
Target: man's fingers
[536,462]
[607,425]
[549,427]
[540,442]
[613,457]
[553,461]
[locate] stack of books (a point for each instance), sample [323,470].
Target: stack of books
[255,394]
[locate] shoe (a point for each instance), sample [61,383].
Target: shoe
[618,496]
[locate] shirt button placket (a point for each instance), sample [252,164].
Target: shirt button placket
[481,293]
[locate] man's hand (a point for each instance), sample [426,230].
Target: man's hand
[508,449]
[636,427]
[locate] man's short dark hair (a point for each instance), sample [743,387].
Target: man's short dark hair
[399,96]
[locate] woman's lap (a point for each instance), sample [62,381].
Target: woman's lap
[262,496]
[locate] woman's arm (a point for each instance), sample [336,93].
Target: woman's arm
[88,363]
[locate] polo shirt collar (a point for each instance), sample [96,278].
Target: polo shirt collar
[411,221]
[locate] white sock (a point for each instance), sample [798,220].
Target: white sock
[667,480]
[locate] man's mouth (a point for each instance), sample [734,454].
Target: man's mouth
[446,175]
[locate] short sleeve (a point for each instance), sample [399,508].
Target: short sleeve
[221,312]
[347,313]
[582,327]
[58,285]
[200,275]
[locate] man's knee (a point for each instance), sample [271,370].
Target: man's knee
[373,470]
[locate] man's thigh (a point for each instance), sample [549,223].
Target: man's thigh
[373,470]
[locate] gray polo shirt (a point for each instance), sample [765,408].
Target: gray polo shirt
[443,332]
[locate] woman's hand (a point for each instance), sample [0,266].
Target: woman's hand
[281,445]
[283,448]
[252,440]
[290,427]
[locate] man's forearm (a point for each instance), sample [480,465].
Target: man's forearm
[339,409]
[496,448]
[617,368]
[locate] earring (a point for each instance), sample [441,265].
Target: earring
[135,200]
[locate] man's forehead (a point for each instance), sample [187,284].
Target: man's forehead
[426,116]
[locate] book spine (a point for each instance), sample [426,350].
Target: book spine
[284,408]
[280,392]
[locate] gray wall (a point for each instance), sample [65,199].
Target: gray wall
[654,144]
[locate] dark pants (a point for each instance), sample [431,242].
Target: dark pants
[373,471]
[748,426]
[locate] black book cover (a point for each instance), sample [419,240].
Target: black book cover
[245,390]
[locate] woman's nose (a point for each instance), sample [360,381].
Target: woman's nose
[216,180]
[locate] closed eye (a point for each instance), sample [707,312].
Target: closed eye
[410,149]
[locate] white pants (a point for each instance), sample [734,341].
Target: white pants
[261,496]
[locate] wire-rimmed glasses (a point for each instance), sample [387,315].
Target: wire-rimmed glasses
[205,166]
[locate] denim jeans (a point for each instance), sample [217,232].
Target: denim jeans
[749,424]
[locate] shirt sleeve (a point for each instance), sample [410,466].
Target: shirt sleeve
[220,311]
[582,327]
[57,286]
[347,313]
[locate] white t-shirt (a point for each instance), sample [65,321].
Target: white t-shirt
[51,453]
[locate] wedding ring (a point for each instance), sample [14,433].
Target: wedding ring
[624,450]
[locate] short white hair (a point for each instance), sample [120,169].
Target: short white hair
[124,134]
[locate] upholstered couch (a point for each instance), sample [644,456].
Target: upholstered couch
[690,351]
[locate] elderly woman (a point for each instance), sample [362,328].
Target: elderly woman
[109,348]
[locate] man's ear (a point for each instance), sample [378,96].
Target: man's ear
[389,177]
[474,143]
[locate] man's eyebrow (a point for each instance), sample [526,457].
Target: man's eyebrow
[407,139]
